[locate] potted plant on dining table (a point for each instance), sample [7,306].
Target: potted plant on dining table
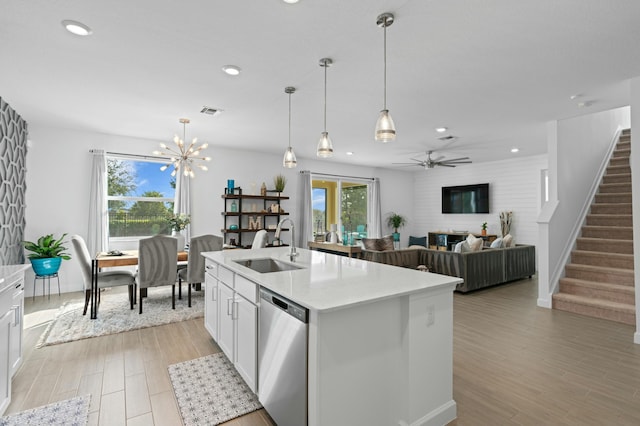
[178,223]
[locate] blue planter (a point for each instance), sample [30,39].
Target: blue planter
[47,266]
[396,236]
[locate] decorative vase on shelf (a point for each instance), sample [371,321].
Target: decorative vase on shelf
[181,239]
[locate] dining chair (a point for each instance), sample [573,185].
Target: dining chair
[260,239]
[157,259]
[105,278]
[194,272]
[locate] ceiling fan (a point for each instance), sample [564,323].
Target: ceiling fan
[430,163]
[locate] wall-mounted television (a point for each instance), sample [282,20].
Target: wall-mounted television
[465,198]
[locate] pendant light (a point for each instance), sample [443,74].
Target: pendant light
[385,129]
[289,161]
[325,147]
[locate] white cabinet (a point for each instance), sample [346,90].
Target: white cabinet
[211,311]
[17,308]
[11,316]
[226,336]
[5,364]
[233,322]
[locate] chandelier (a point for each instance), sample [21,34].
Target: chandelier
[185,157]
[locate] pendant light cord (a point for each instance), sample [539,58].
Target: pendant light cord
[385,64]
[289,120]
[325,95]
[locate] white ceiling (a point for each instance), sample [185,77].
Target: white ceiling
[492,71]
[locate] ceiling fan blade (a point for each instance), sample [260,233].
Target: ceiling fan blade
[438,158]
[444,165]
[408,164]
[456,159]
[457,162]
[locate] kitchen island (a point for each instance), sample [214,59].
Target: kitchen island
[380,338]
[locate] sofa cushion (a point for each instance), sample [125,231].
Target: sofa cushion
[418,241]
[378,244]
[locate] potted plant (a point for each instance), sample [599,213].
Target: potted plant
[178,223]
[484,228]
[280,181]
[395,221]
[47,255]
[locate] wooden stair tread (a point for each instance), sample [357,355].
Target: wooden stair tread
[600,285]
[596,303]
[616,271]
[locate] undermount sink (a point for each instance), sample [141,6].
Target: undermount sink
[266,265]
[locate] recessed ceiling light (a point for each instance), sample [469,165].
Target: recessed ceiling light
[441,129]
[77,28]
[231,69]
[349,153]
[514,150]
[291,1]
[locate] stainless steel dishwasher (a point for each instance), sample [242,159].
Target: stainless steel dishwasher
[282,359]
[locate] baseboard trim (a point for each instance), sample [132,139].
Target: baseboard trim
[545,303]
[440,416]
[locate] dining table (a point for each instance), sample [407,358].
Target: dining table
[109,259]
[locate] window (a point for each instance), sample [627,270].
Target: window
[139,198]
[344,203]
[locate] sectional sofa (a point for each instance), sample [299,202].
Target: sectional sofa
[478,269]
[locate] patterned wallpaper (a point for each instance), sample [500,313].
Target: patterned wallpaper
[13,157]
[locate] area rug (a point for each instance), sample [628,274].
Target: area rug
[210,391]
[71,412]
[114,315]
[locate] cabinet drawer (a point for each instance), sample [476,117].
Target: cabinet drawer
[247,289]
[211,268]
[225,275]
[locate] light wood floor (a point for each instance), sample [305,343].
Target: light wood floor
[514,364]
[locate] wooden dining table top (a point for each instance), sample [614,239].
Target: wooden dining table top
[128,258]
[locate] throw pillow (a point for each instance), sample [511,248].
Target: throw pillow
[417,247]
[465,247]
[458,247]
[475,244]
[418,241]
[497,243]
[378,244]
[507,240]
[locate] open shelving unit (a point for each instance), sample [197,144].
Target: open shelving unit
[250,209]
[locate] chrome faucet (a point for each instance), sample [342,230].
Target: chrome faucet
[293,252]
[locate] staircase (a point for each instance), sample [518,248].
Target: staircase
[599,280]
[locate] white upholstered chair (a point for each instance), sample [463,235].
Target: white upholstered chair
[105,279]
[157,259]
[260,239]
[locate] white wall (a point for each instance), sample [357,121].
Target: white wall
[513,185]
[59,166]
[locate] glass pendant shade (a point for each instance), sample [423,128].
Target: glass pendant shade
[289,161]
[385,129]
[325,147]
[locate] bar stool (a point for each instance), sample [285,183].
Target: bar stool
[48,279]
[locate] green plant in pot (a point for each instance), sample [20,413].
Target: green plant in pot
[484,228]
[395,221]
[47,254]
[279,181]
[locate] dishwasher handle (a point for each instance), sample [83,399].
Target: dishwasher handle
[299,312]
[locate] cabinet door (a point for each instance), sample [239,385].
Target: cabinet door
[211,311]
[247,340]
[226,331]
[5,366]
[15,354]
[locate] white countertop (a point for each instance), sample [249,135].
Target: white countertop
[8,271]
[328,281]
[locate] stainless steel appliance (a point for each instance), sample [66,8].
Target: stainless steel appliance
[282,359]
